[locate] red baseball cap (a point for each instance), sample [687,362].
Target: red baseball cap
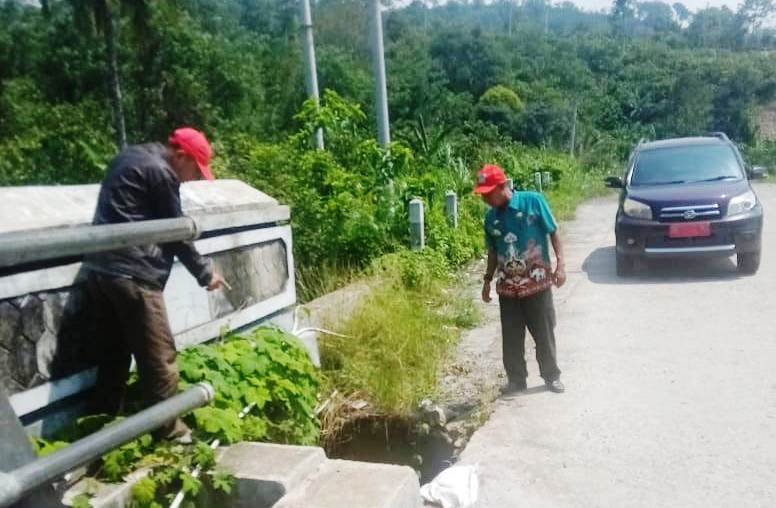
[194,143]
[488,178]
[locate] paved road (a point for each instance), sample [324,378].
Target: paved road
[671,388]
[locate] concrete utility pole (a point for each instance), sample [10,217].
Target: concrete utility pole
[573,130]
[381,90]
[511,9]
[311,76]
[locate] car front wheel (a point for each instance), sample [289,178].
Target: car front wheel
[748,263]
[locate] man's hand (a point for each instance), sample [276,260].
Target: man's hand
[218,282]
[486,292]
[560,276]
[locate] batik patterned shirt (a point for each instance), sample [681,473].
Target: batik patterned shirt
[518,232]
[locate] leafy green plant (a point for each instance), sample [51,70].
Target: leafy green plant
[268,369]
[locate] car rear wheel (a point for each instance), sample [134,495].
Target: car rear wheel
[626,265]
[748,263]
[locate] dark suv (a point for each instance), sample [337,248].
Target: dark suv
[688,197]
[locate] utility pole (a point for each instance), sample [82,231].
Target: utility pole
[381,90]
[511,9]
[573,130]
[311,76]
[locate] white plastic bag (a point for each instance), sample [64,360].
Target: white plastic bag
[455,487]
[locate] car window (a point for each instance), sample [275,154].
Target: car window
[684,164]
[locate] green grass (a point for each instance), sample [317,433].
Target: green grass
[399,340]
[576,187]
[320,279]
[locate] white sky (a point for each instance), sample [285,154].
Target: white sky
[693,5]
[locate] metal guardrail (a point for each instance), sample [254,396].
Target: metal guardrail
[44,244]
[16,484]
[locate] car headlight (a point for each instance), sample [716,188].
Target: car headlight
[636,209]
[742,203]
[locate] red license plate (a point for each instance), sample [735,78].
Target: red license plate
[689,230]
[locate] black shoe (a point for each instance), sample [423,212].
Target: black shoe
[513,387]
[555,386]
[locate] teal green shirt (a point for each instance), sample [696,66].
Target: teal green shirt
[519,234]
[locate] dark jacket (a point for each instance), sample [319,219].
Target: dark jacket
[141,185]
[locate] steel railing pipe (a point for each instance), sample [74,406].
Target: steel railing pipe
[14,485]
[19,247]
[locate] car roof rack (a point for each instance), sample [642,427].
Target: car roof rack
[719,135]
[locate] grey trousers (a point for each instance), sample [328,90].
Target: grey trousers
[537,314]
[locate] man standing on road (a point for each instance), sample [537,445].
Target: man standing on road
[516,230]
[142,183]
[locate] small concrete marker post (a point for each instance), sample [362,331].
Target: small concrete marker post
[417,230]
[510,184]
[451,208]
[538,181]
[546,179]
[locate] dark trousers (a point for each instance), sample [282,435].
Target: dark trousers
[132,321]
[537,314]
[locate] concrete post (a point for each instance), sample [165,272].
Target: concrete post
[381,90]
[546,179]
[417,225]
[538,181]
[310,65]
[510,184]
[451,208]
[573,143]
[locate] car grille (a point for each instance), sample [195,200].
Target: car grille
[690,213]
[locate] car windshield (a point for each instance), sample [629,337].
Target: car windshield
[685,164]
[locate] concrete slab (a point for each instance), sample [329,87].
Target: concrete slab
[266,472]
[357,484]
[32,207]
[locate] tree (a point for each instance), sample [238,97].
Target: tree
[99,15]
[751,15]
[682,12]
[623,13]
[656,17]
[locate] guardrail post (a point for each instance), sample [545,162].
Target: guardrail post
[417,225]
[451,208]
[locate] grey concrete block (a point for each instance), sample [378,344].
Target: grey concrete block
[31,308]
[105,495]
[45,351]
[357,484]
[54,310]
[7,380]
[266,472]
[25,361]
[10,324]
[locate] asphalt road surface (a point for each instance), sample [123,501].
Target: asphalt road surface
[671,387]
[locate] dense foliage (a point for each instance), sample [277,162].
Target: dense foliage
[468,82]
[266,390]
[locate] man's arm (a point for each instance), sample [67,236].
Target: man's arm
[168,206]
[489,272]
[560,269]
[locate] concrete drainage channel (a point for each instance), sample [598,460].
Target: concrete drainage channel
[283,476]
[429,443]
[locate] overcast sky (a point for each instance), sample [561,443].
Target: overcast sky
[595,5]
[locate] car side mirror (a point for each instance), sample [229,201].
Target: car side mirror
[758,172]
[614,182]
